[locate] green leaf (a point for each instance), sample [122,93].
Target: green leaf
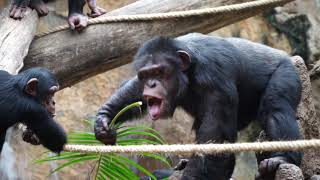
[124,168]
[141,133]
[126,142]
[112,170]
[71,162]
[142,128]
[158,157]
[61,157]
[82,133]
[88,142]
[136,165]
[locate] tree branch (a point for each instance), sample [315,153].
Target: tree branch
[74,57]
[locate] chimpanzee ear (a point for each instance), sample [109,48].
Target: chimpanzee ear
[31,87]
[185,58]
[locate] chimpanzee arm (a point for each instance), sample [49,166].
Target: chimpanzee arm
[49,132]
[76,6]
[128,93]
[76,18]
[218,123]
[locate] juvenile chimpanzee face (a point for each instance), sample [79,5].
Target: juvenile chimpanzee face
[42,85]
[162,82]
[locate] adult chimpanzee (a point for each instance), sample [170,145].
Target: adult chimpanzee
[28,98]
[224,83]
[76,18]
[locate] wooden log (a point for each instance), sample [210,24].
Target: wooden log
[74,57]
[15,39]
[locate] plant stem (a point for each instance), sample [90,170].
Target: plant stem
[136,104]
[100,157]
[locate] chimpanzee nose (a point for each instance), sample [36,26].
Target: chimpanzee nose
[152,84]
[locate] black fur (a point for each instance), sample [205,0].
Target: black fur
[230,83]
[17,106]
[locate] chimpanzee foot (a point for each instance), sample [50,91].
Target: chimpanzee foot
[97,11]
[40,7]
[267,168]
[17,10]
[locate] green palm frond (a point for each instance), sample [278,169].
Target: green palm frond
[112,166]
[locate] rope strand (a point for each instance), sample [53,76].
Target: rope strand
[200,148]
[173,15]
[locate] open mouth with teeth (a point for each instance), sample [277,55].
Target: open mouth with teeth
[155,107]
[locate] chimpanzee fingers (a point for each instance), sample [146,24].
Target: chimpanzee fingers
[272,165]
[17,12]
[104,123]
[78,21]
[268,167]
[72,21]
[29,137]
[262,169]
[106,137]
[40,7]
[83,22]
[12,7]
[42,12]
[12,11]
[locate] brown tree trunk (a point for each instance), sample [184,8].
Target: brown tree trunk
[15,39]
[74,57]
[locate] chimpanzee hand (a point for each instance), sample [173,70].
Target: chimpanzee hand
[267,168]
[77,21]
[103,133]
[29,137]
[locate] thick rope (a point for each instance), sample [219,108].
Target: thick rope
[200,148]
[177,14]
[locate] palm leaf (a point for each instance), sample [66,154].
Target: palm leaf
[111,166]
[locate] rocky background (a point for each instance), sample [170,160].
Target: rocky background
[294,28]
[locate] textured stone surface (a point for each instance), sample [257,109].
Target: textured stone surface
[289,172]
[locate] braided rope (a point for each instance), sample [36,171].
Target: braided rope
[173,15]
[200,148]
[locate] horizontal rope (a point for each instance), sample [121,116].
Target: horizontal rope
[200,148]
[177,14]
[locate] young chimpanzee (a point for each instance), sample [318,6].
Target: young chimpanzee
[28,98]
[224,83]
[76,19]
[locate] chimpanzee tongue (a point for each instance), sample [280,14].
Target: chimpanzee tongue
[154,110]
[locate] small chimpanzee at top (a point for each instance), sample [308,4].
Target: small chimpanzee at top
[224,83]
[28,98]
[76,18]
